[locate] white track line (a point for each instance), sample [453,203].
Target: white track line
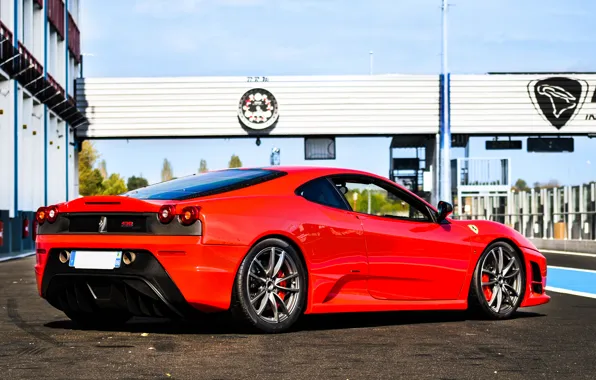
[17,256]
[571,269]
[569,253]
[572,292]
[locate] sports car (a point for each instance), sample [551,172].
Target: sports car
[271,244]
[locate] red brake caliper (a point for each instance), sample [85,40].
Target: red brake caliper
[281,294]
[487,289]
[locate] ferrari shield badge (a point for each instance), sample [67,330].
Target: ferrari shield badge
[473,228]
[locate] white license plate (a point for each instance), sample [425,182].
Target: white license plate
[95,259]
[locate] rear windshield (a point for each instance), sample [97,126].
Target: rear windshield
[204,184]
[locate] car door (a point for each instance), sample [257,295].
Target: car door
[334,237]
[410,256]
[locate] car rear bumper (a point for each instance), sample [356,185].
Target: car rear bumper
[171,276]
[536,272]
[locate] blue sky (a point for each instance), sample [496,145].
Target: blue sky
[311,37]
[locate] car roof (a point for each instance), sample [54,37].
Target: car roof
[305,173]
[317,170]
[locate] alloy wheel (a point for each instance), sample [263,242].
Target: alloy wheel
[501,280]
[273,285]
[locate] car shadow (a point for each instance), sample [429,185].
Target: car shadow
[223,324]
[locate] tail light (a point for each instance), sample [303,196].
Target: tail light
[52,214]
[189,215]
[41,215]
[166,213]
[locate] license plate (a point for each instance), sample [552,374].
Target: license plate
[95,259]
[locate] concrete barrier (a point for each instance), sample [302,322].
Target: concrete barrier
[584,246]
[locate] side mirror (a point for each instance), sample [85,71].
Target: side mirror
[443,210]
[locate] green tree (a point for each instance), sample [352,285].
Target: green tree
[235,162]
[166,171]
[521,185]
[90,182]
[203,166]
[90,179]
[134,183]
[114,185]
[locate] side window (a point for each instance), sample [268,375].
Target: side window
[321,191]
[372,199]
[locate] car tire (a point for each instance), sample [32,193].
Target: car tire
[504,282]
[263,283]
[99,319]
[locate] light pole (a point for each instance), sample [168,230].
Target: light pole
[370,53]
[445,128]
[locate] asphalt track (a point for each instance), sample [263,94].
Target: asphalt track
[554,341]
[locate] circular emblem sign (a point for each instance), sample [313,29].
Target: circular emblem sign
[258,109]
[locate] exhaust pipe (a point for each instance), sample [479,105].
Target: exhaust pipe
[128,258]
[64,257]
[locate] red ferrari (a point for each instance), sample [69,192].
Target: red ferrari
[271,244]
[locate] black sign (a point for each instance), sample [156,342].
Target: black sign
[546,144]
[258,109]
[558,99]
[503,145]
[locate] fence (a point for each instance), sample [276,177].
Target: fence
[561,213]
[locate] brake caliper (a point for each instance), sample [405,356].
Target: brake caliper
[487,289]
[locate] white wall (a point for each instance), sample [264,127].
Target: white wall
[31,162]
[26,33]
[6,14]
[56,161]
[30,123]
[52,53]
[37,154]
[26,142]
[208,106]
[73,179]
[38,33]
[488,104]
[59,72]
[7,107]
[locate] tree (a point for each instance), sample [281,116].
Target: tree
[203,166]
[166,171]
[235,162]
[521,185]
[90,179]
[134,183]
[90,182]
[552,183]
[114,185]
[103,169]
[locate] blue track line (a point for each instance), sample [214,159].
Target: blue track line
[573,279]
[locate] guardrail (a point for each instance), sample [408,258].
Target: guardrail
[562,225]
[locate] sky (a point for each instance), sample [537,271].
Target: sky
[332,37]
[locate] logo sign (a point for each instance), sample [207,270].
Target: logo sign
[558,99]
[258,109]
[103,223]
[473,228]
[127,224]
